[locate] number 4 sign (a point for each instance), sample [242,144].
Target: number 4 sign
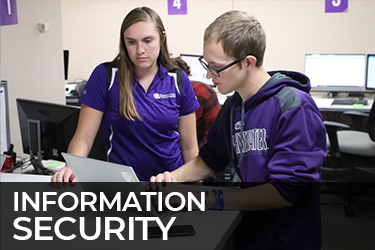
[336,6]
[8,12]
[177,7]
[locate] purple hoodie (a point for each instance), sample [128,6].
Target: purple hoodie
[276,136]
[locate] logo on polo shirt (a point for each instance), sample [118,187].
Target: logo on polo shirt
[164,96]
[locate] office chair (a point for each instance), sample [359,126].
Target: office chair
[349,168]
[79,88]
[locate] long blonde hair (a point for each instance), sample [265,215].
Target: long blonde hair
[125,66]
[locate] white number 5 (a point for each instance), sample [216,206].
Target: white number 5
[336,3]
[177,4]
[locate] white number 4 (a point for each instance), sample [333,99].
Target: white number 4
[336,3]
[177,4]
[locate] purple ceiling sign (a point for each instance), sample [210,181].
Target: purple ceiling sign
[177,7]
[334,6]
[8,12]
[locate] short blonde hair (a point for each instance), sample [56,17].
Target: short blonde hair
[240,33]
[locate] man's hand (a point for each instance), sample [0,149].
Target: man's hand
[161,180]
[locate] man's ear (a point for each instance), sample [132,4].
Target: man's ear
[250,62]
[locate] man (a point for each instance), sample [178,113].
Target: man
[270,130]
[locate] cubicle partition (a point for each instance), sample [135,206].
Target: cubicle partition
[4,117]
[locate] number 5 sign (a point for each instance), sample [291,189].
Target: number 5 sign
[177,7]
[336,6]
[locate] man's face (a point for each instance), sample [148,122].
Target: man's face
[231,78]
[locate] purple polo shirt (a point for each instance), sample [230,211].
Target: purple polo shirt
[149,145]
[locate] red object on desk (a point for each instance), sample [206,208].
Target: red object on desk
[8,165]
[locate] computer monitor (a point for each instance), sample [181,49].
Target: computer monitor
[46,131]
[336,72]
[370,72]
[198,73]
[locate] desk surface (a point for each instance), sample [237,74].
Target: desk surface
[325,104]
[49,164]
[212,228]
[13,177]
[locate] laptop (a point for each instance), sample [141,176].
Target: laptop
[92,170]
[89,172]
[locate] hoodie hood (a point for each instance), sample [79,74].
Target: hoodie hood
[278,80]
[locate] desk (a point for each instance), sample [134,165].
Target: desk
[212,228]
[13,177]
[51,165]
[325,104]
[335,112]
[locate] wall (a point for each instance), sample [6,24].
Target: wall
[91,29]
[31,61]
[293,27]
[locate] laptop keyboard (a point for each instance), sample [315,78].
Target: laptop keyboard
[348,102]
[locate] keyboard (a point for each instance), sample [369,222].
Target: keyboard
[348,102]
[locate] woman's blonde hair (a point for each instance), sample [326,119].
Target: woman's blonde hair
[124,64]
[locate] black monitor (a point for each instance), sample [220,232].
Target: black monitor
[46,131]
[198,73]
[336,72]
[370,72]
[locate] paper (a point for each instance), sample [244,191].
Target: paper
[323,102]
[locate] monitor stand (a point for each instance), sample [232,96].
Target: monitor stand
[35,147]
[356,94]
[332,94]
[38,167]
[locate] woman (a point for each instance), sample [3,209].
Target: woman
[147,123]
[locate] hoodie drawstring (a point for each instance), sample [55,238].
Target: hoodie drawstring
[241,142]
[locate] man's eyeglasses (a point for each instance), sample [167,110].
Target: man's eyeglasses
[214,71]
